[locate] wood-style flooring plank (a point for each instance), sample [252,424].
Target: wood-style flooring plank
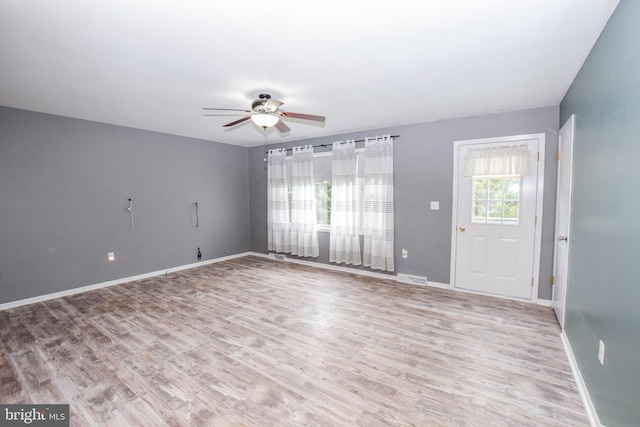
[255,342]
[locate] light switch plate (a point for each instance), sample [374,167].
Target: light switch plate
[435,206]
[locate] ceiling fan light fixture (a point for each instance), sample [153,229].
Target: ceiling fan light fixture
[265,112]
[264,120]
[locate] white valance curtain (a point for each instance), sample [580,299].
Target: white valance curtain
[344,241]
[505,160]
[378,211]
[278,223]
[304,229]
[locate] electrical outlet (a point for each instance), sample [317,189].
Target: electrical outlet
[405,253]
[601,352]
[111,256]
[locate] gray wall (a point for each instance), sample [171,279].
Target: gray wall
[603,294]
[64,185]
[423,171]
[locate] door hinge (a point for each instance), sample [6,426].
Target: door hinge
[532,282]
[553,280]
[558,155]
[538,156]
[535,220]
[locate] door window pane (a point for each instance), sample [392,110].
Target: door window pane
[512,189]
[495,212]
[496,188]
[479,211]
[511,212]
[495,200]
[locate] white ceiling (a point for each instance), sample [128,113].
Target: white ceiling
[364,65]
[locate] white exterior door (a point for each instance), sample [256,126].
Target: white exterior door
[494,236]
[563,216]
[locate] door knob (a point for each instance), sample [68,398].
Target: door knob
[462,228]
[562,238]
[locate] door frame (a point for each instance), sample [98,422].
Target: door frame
[512,139]
[569,126]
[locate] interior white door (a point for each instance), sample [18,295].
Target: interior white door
[495,228]
[563,217]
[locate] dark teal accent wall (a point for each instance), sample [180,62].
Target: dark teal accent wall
[603,293]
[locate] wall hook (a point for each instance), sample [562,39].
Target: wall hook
[130,210]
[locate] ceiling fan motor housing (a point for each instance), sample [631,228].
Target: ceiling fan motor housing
[262,104]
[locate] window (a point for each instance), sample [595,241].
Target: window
[322,177]
[323,202]
[496,200]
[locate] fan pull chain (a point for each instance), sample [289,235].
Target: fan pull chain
[266,139]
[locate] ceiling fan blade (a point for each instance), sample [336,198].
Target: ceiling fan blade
[272,104]
[244,119]
[226,109]
[282,127]
[222,115]
[303,116]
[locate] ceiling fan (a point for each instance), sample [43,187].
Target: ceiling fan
[266,112]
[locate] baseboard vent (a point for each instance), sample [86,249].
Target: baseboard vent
[277,257]
[415,280]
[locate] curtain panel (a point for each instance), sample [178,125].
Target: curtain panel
[278,223]
[505,160]
[344,242]
[304,229]
[378,210]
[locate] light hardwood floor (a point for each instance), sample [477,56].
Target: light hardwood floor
[264,343]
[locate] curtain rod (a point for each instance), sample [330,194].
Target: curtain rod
[329,145]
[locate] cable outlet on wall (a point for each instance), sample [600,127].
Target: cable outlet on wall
[405,253]
[601,352]
[111,256]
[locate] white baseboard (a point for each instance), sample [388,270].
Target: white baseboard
[537,301]
[87,288]
[594,421]
[439,285]
[344,269]
[544,302]
[331,267]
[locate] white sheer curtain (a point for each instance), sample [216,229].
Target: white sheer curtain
[278,224]
[304,229]
[344,242]
[378,226]
[505,160]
